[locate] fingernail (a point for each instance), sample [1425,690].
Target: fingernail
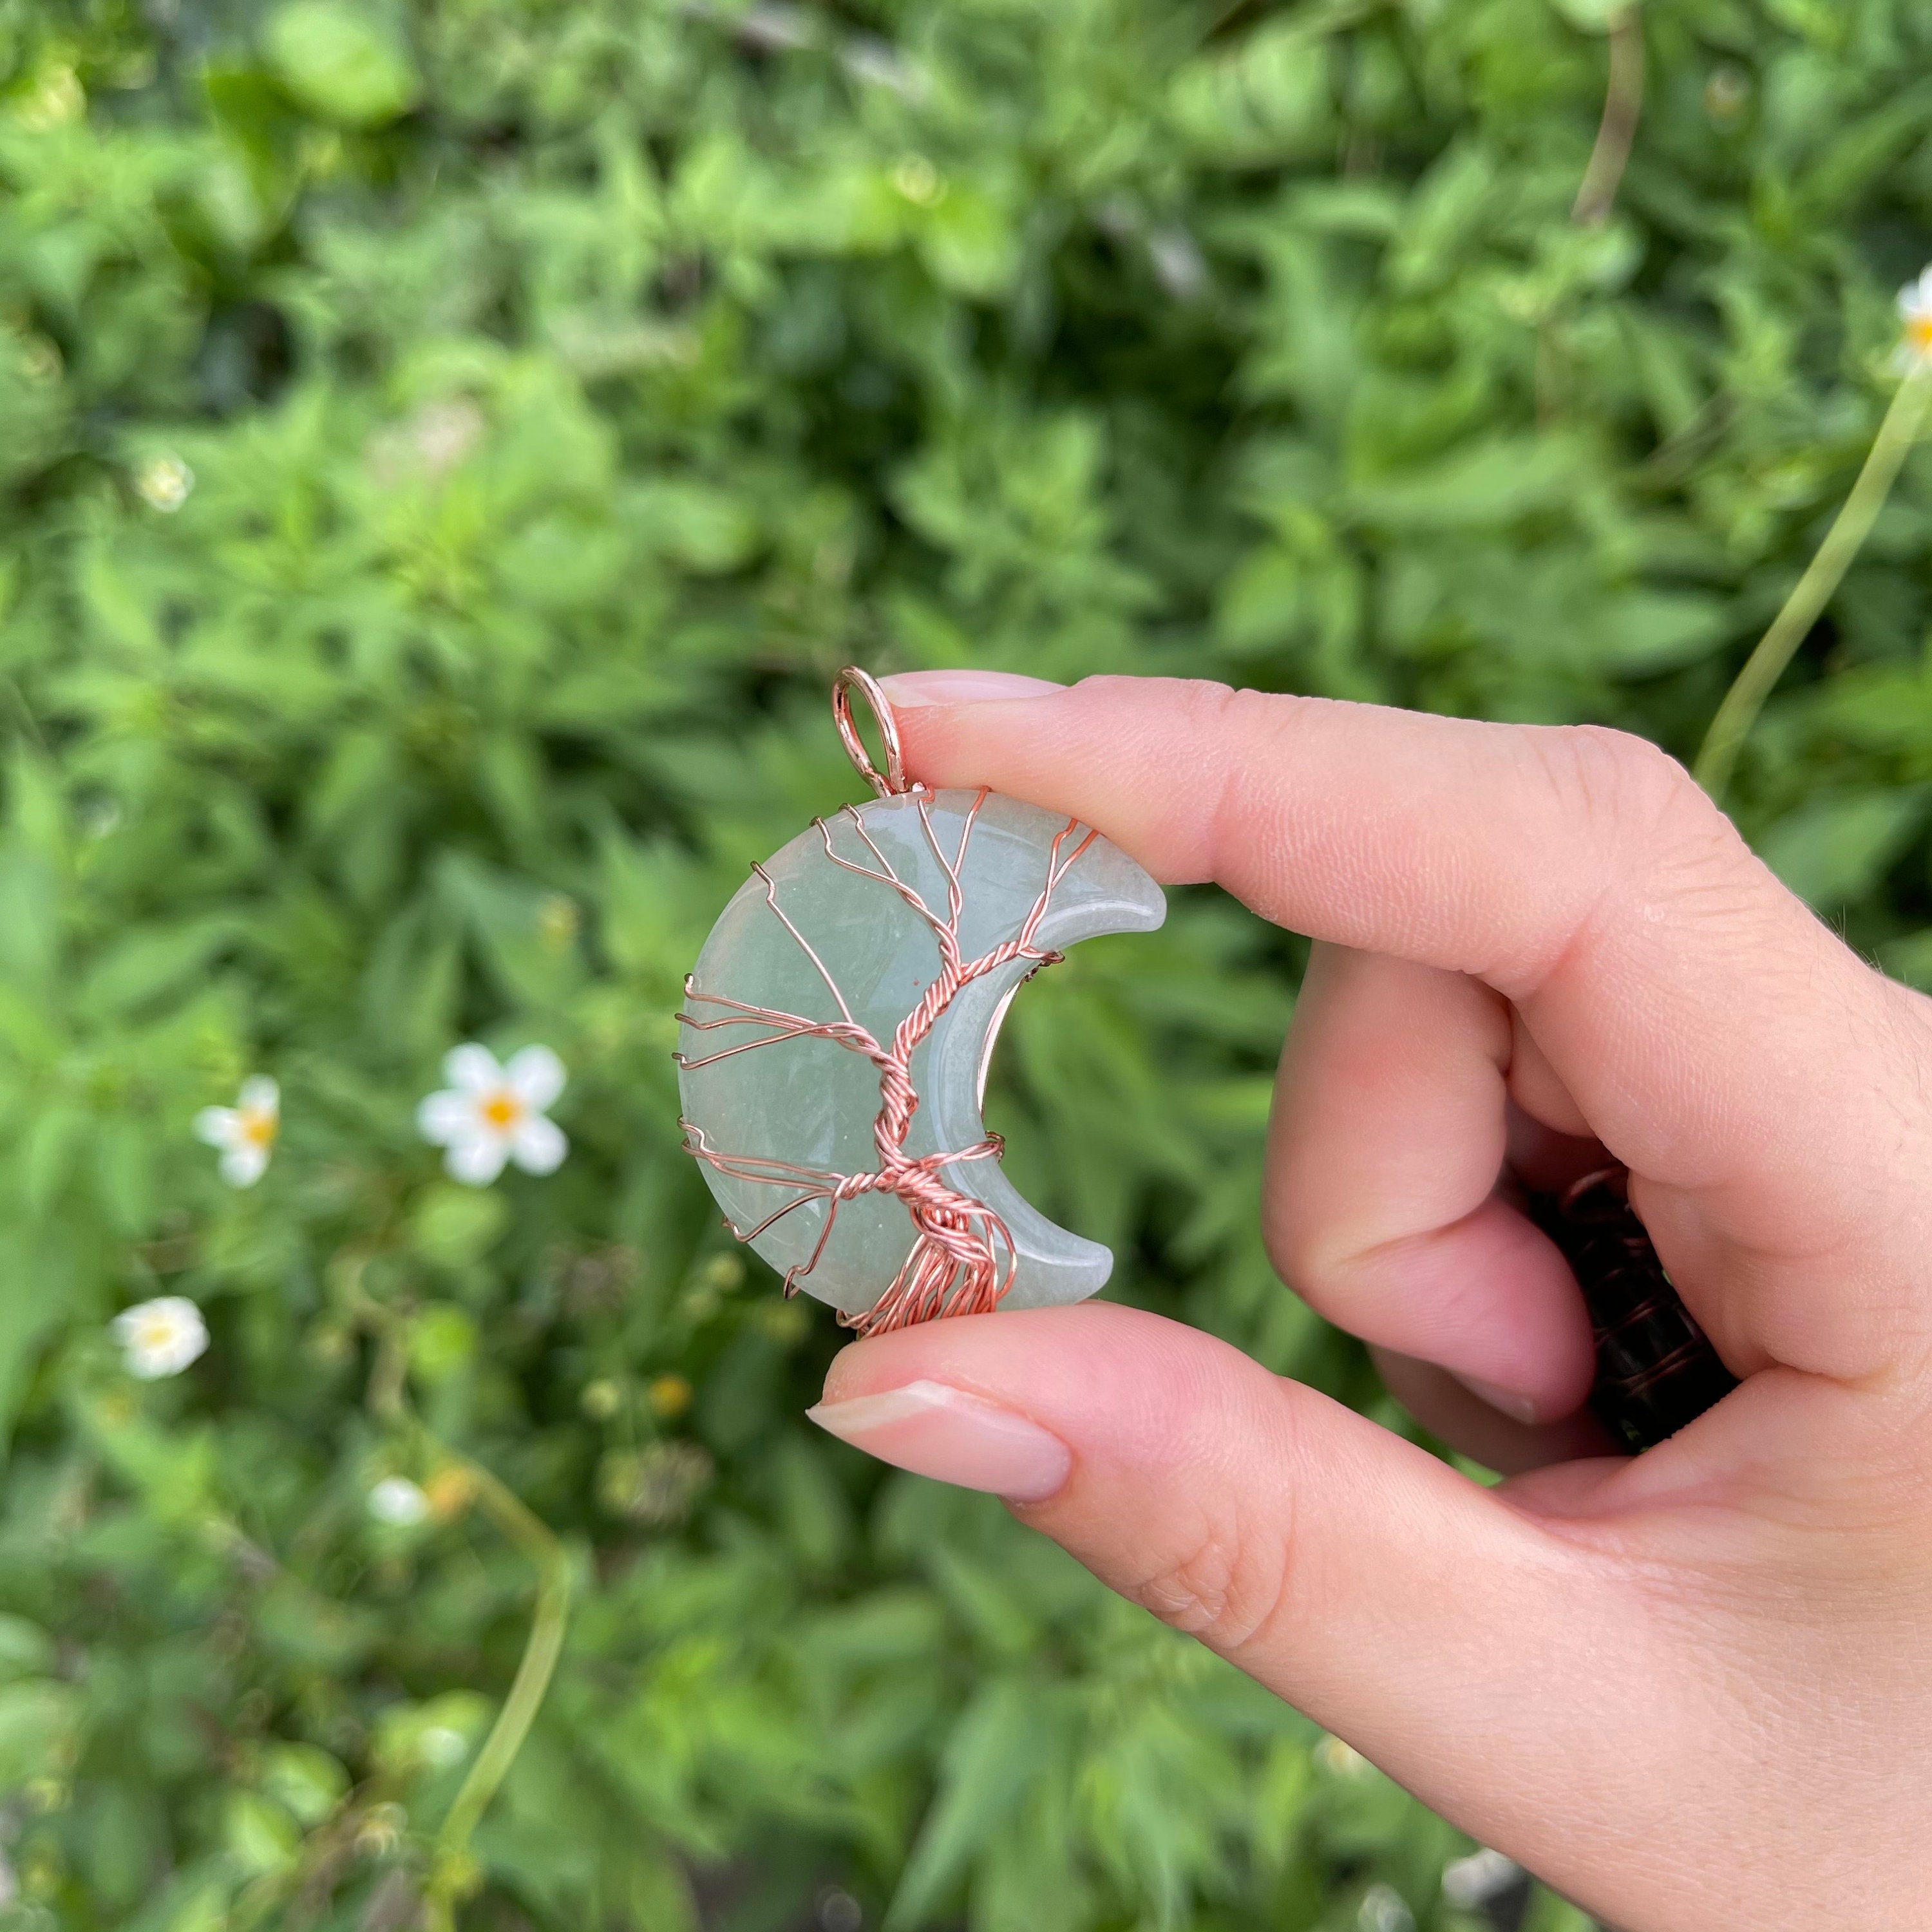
[1517,1408]
[909,688]
[936,1430]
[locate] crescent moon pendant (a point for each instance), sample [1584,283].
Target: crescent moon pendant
[836,1034]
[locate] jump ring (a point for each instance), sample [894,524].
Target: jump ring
[851,679]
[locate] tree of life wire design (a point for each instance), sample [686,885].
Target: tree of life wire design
[962,1259]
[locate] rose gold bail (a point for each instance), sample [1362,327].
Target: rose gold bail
[851,679]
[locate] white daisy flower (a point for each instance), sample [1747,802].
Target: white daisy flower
[491,1113]
[1914,311]
[397,1500]
[244,1132]
[161,1337]
[162,483]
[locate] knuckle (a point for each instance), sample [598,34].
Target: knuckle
[1243,702]
[1894,1023]
[1642,830]
[1232,714]
[1173,720]
[1617,780]
[1200,704]
[1226,1583]
[1217,714]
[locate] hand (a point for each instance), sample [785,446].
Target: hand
[1690,1690]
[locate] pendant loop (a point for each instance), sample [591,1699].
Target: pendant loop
[893,781]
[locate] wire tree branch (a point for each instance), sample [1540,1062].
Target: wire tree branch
[962,1260]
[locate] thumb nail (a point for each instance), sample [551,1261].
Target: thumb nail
[909,688]
[1517,1408]
[936,1430]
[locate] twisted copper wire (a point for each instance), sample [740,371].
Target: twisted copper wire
[962,1258]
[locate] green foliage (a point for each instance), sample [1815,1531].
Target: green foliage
[445,452]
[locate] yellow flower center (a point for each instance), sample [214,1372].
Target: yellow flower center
[1918,332]
[502,1110]
[156,1334]
[258,1130]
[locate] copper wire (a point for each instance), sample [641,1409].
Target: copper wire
[893,779]
[962,1259]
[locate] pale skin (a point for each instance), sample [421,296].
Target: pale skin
[1691,1690]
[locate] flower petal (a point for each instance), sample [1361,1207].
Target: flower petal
[446,1116]
[396,1499]
[477,1158]
[535,1076]
[537,1145]
[161,1337]
[245,1163]
[260,1095]
[471,1069]
[219,1126]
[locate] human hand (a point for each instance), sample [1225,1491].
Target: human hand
[1689,1690]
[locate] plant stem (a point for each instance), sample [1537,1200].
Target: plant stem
[450,1875]
[452,1871]
[1623,101]
[1742,703]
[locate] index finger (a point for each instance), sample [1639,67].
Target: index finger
[1746,1066]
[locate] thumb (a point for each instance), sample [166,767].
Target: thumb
[1478,1656]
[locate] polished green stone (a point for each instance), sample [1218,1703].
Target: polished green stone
[813,1102]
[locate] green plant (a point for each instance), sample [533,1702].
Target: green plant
[446,451]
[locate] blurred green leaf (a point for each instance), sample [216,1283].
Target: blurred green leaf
[993,1755]
[261,1835]
[26,1649]
[39,1723]
[305,1780]
[454,1225]
[341,61]
[442,1342]
[1836,847]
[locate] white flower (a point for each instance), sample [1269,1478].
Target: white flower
[1480,1877]
[490,1113]
[396,1499]
[440,1745]
[1384,1909]
[161,1337]
[1914,311]
[163,482]
[244,1132]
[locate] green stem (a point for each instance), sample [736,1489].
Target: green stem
[1616,132]
[1765,665]
[451,1875]
[452,1870]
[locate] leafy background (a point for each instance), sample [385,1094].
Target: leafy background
[565,391]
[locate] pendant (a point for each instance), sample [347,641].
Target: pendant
[839,1024]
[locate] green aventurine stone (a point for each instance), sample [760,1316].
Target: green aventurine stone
[813,1102]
